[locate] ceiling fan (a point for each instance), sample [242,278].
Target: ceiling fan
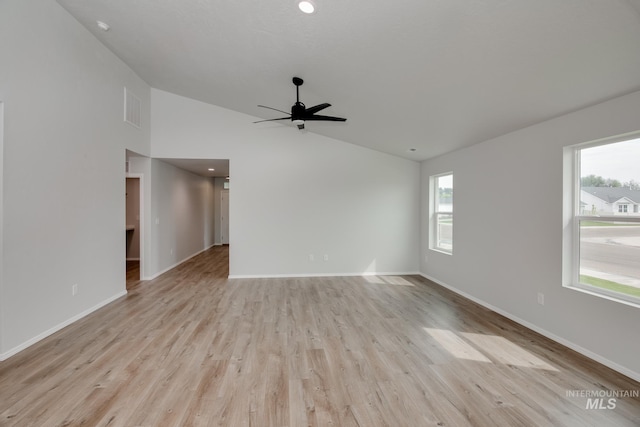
[299,113]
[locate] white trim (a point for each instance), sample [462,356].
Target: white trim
[433,213]
[32,341]
[573,185]
[304,275]
[605,293]
[607,140]
[228,213]
[571,192]
[587,353]
[442,251]
[160,273]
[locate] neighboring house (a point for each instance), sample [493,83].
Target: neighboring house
[609,201]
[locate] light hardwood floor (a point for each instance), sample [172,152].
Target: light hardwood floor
[193,348]
[132,274]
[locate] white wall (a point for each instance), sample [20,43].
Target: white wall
[64,174]
[504,255]
[182,213]
[296,194]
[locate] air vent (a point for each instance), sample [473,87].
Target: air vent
[132,107]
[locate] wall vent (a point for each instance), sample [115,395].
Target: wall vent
[132,108]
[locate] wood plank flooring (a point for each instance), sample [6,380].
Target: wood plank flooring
[132,274]
[192,348]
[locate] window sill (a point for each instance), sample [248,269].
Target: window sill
[442,251]
[611,296]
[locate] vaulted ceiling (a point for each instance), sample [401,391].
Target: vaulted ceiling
[429,75]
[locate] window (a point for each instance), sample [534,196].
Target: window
[441,208]
[602,232]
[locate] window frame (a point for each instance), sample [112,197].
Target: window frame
[572,216]
[434,213]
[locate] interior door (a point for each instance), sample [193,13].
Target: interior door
[224,216]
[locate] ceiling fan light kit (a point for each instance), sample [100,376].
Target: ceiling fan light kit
[299,113]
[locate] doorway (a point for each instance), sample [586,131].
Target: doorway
[133,229]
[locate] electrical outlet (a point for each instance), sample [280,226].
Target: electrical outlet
[74,290]
[326,257]
[540,298]
[311,258]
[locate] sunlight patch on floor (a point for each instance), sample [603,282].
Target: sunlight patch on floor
[504,351]
[499,348]
[456,345]
[388,280]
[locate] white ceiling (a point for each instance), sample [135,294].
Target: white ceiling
[201,166]
[197,166]
[435,75]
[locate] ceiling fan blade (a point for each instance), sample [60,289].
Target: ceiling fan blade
[326,118]
[271,108]
[315,109]
[271,120]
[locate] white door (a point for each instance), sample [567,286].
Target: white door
[224,216]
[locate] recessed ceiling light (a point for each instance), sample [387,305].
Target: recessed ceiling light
[103,26]
[211,169]
[307,6]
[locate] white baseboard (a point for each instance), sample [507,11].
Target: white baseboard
[160,273]
[32,341]
[304,275]
[588,353]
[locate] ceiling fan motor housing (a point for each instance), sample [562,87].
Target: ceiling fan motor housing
[297,110]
